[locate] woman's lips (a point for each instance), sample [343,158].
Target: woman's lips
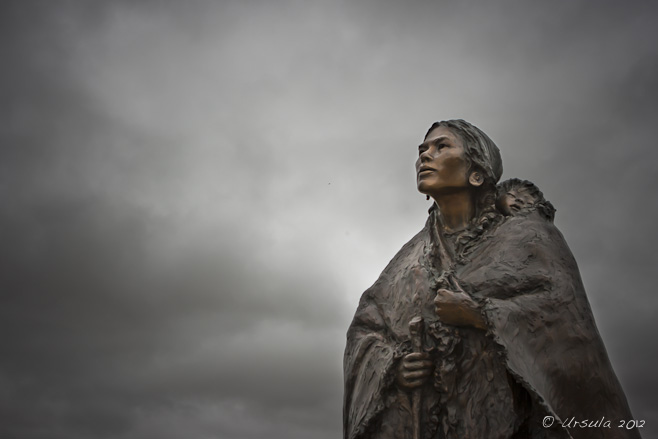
[425,171]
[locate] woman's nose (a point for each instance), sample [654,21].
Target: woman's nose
[425,155]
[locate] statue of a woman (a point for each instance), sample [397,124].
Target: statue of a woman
[479,327]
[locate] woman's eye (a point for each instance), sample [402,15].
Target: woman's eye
[442,145]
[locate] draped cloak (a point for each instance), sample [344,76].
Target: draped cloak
[541,355]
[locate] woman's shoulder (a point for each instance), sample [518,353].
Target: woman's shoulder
[406,262]
[411,252]
[528,236]
[521,227]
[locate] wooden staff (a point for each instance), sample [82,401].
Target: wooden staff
[416,327]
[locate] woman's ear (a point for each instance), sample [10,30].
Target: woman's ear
[476,179]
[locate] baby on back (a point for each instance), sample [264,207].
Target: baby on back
[519,197]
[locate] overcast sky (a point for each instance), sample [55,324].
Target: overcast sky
[194,195]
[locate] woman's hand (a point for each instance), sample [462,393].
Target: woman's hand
[458,309]
[413,370]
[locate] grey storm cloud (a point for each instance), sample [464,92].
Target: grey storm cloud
[194,195]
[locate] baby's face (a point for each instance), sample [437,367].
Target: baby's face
[515,200]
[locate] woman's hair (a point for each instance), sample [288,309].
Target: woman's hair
[484,157]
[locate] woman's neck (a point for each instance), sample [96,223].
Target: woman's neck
[457,209]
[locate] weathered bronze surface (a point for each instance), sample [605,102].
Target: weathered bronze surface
[479,327]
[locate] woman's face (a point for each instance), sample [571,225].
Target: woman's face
[442,167]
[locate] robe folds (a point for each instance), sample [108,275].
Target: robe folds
[540,358]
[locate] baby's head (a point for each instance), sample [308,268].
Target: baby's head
[516,196]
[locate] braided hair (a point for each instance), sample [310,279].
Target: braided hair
[483,156]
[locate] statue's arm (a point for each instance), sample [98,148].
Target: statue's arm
[369,367]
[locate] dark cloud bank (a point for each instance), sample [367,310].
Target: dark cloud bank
[195,195]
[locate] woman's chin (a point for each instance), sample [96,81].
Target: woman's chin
[424,187]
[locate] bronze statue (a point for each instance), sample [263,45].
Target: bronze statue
[479,327]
